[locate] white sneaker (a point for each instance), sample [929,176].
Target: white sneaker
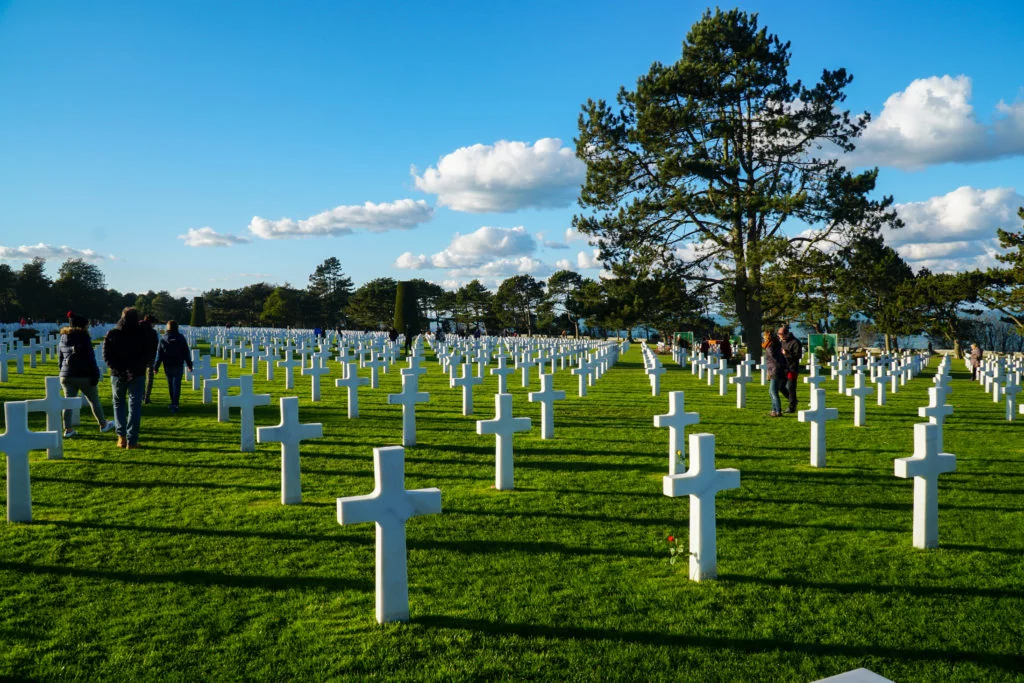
[107,427]
[69,433]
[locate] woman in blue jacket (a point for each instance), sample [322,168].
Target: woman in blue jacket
[173,353]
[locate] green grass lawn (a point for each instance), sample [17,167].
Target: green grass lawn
[178,562]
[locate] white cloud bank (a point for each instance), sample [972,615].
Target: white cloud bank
[208,237]
[403,214]
[505,177]
[47,251]
[956,231]
[932,122]
[474,249]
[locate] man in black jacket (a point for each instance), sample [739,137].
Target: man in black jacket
[152,343]
[793,351]
[125,351]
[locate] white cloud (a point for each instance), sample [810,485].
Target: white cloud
[589,260]
[565,264]
[474,249]
[403,214]
[955,231]
[574,235]
[505,176]
[186,292]
[47,251]
[933,122]
[208,237]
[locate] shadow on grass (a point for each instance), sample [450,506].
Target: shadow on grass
[214,533]
[1009,663]
[196,578]
[154,484]
[181,465]
[850,588]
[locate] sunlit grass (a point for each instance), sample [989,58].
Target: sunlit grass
[177,561]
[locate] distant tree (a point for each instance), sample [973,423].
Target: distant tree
[198,312]
[560,299]
[1005,292]
[947,299]
[407,310]
[801,289]
[35,291]
[473,307]
[9,308]
[280,308]
[80,287]
[331,289]
[721,152]
[875,282]
[428,297]
[163,306]
[516,302]
[372,306]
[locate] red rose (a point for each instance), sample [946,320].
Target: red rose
[671,538]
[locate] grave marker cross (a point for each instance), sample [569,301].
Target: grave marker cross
[408,398]
[546,397]
[352,381]
[925,466]
[702,482]
[53,404]
[677,421]
[390,506]
[16,442]
[246,402]
[289,432]
[503,426]
[817,416]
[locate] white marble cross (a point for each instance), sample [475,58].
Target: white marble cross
[502,371]
[859,391]
[702,482]
[467,382]
[741,380]
[53,404]
[15,443]
[289,364]
[289,432]
[677,421]
[390,506]
[936,412]
[352,381]
[408,398]
[546,397]
[881,379]
[315,370]
[503,426]
[1011,390]
[221,382]
[246,402]
[925,467]
[525,363]
[724,371]
[583,372]
[375,364]
[654,373]
[817,416]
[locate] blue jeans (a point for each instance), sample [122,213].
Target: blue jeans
[174,386]
[128,406]
[773,391]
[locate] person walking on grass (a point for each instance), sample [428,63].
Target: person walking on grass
[173,354]
[152,343]
[793,351]
[975,360]
[776,365]
[79,372]
[125,351]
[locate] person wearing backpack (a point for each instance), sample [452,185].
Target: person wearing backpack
[79,372]
[173,353]
[126,353]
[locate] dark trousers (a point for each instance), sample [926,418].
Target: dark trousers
[150,375]
[788,389]
[174,387]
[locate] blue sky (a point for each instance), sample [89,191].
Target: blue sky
[190,145]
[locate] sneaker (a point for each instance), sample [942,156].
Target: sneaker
[68,433]
[122,442]
[107,427]
[132,446]
[791,410]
